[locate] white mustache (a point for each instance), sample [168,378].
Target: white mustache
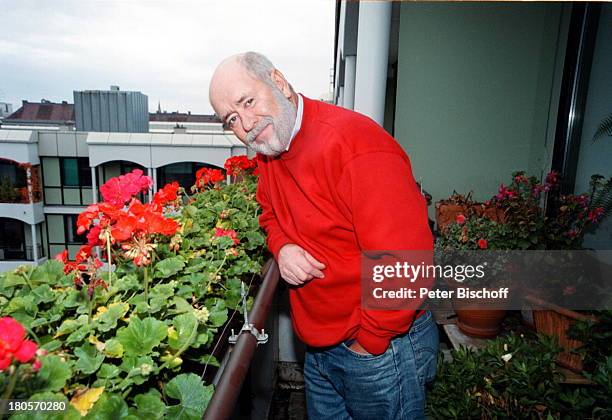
[261,125]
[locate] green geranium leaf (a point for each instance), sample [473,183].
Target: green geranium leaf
[38,322]
[254,240]
[71,325]
[108,320]
[48,273]
[54,373]
[192,394]
[108,371]
[181,305]
[150,405]
[51,345]
[208,359]
[113,348]
[21,304]
[80,333]
[185,328]
[11,279]
[89,359]
[141,336]
[108,407]
[43,294]
[128,282]
[73,299]
[168,267]
[218,312]
[69,414]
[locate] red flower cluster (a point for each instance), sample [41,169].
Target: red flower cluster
[119,190]
[596,214]
[505,193]
[230,233]
[460,219]
[166,195]
[132,225]
[237,165]
[85,266]
[207,176]
[483,244]
[13,345]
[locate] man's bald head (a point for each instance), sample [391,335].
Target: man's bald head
[257,65]
[249,94]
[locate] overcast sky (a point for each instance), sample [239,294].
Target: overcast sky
[165,49]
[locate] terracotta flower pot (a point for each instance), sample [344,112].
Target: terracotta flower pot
[478,322]
[478,317]
[447,213]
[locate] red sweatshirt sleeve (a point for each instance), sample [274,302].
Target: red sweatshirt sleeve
[276,238]
[388,213]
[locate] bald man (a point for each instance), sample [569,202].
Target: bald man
[334,184]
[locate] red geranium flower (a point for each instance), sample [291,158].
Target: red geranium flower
[483,244]
[166,195]
[236,165]
[119,190]
[460,219]
[230,233]
[13,345]
[206,176]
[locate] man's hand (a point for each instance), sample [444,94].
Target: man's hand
[297,266]
[358,348]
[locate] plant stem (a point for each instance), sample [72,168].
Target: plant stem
[146,284]
[109,258]
[90,305]
[9,390]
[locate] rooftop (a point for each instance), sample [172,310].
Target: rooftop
[43,111]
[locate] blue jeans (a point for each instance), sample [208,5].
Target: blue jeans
[343,384]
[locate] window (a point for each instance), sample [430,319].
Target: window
[67,180]
[62,234]
[70,172]
[12,240]
[15,174]
[70,226]
[182,172]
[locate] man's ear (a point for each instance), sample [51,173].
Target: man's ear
[280,81]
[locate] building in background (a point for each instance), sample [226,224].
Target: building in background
[43,114]
[476,92]
[6,109]
[50,170]
[111,111]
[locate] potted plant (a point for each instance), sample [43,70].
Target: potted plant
[458,204]
[463,241]
[570,218]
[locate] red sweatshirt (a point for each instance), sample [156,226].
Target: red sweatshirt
[344,186]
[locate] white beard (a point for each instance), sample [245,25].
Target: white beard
[282,127]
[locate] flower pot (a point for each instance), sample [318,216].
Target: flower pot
[481,322]
[447,213]
[554,320]
[478,317]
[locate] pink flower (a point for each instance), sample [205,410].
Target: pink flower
[460,219]
[596,214]
[552,178]
[119,190]
[230,233]
[13,345]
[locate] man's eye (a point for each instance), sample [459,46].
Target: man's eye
[249,102]
[230,122]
